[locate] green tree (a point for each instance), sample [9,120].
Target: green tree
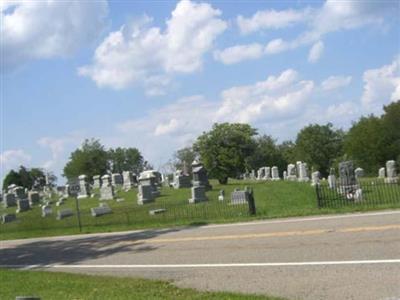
[182,157]
[225,148]
[364,142]
[288,151]
[391,132]
[25,177]
[12,177]
[125,159]
[319,146]
[90,159]
[266,153]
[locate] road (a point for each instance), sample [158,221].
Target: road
[354,256]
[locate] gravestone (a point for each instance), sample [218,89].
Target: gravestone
[239,197]
[96,182]
[347,180]
[275,173]
[147,178]
[106,190]
[221,195]
[303,172]
[34,197]
[20,192]
[346,174]
[267,173]
[60,202]
[128,180]
[145,194]
[284,175]
[253,174]
[116,179]
[200,183]
[7,218]
[157,211]
[261,173]
[391,172]
[64,213]
[84,191]
[103,209]
[22,205]
[46,210]
[200,177]
[291,172]
[9,200]
[332,179]
[298,164]
[315,177]
[181,180]
[198,194]
[381,173]
[359,172]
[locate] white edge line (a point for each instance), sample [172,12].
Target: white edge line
[302,219]
[217,265]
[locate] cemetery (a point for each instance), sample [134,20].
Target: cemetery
[149,202]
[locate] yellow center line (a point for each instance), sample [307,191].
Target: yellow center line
[265,234]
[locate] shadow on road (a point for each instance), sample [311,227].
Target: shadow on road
[69,251]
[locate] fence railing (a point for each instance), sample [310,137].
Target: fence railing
[369,192]
[127,213]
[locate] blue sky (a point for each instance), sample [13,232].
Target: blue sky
[155,74]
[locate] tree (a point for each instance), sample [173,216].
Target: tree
[371,141]
[288,151]
[125,159]
[12,177]
[184,157]
[91,159]
[391,132]
[319,145]
[25,177]
[266,153]
[225,148]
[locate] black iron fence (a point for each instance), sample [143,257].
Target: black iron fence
[127,214]
[368,192]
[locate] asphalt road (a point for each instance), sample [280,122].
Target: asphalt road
[353,256]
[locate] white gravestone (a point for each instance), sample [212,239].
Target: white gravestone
[275,173]
[106,190]
[391,172]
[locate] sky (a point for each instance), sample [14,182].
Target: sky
[156,74]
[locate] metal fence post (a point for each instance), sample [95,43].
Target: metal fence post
[319,198]
[252,204]
[78,214]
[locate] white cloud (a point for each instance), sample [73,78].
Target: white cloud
[332,16]
[58,148]
[46,29]
[238,53]
[13,158]
[276,46]
[266,104]
[141,54]
[275,98]
[381,86]
[271,19]
[335,82]
[316,52]
[167,128]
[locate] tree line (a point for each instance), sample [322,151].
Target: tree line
[229,149]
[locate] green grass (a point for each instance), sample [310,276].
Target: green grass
[52,285]
[273,199]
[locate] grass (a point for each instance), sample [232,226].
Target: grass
[273,199]
[52,285]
